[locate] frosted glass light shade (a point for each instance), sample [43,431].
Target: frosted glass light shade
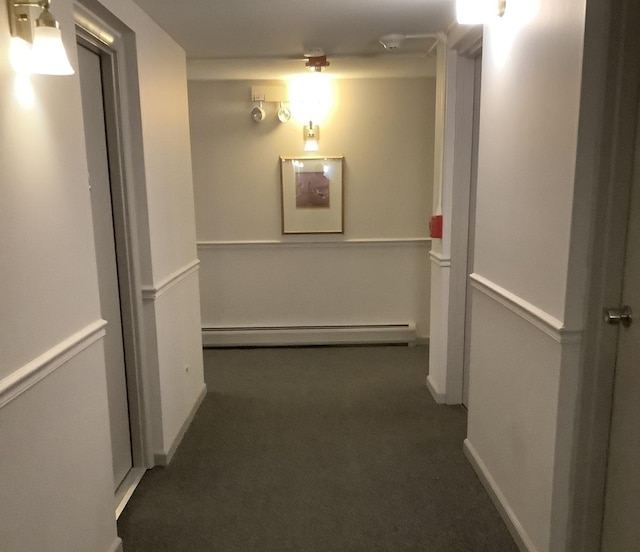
[311,145]
[48,56]
[477,12]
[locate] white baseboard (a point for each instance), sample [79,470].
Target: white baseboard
[309,335]
[438,396]
[164,458]
[126,488]
[509,517]
[116,546]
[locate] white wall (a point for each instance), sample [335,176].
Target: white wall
[55,468]
[54,431]
[523,357]
[384,129]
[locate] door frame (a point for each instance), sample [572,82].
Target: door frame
[115,45]
[606,143]
[471,227]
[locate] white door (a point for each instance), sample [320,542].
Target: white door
[621,528]
[91,80]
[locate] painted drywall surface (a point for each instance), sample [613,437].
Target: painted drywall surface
[514,383]
[46,251]
[519,399]
[180,345]
[315,285]
[528,141]
[55,466]
[165,128]
[384,129]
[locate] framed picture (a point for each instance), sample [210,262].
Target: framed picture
[312,195]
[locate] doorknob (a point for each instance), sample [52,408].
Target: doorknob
[619,316]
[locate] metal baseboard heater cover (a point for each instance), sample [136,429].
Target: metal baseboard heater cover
[280,336]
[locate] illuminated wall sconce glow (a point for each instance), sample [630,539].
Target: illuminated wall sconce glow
[477,12]
[41,51]
[311,135]
[20,55]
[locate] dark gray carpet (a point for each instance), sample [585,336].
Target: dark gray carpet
[318,449]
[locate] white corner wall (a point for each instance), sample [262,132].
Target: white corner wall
[524,359]
[377,272]
[170,284]
[55,468]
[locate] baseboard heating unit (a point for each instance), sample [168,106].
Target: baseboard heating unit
[283,336]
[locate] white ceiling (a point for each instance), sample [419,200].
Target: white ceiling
[284,29]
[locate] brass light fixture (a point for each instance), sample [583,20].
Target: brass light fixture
[36,48]
[311,135]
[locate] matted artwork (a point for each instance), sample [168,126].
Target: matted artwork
[312,195]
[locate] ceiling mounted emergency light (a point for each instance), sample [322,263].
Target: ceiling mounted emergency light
[478,12]
[36,50]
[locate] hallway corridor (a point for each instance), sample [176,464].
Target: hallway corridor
[317,449]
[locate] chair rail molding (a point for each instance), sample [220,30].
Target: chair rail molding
[151,293]
[39,368]
[315,242]
[542,320]
[439,259]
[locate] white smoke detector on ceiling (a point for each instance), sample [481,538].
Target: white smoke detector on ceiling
[394,41]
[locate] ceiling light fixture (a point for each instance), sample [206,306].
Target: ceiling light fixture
[478,12]
[316,60]
[47,55]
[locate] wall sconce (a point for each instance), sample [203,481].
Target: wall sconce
[477,12]
[311,135]
[40,51]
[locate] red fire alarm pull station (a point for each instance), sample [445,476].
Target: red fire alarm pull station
[435,226]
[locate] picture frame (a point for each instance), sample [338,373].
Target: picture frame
[312,195]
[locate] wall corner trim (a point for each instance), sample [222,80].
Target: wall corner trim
[31,373]
[542,320]
[164,458]
[151,293]
[439,260]
[509,517]
[439,396]
[116,546]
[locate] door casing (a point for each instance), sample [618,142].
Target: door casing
[117,51]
